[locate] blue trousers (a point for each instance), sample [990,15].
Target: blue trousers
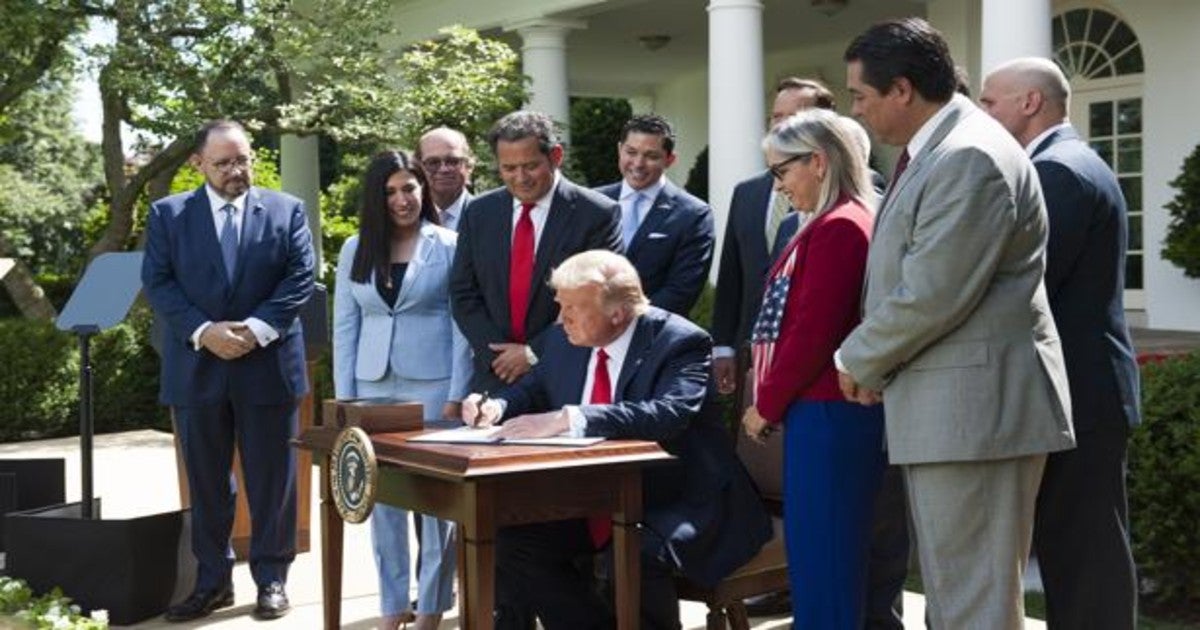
[833,463]
[389,525]
[263,433]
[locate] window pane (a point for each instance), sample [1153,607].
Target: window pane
[1131,62]
[1129,155]
[1131,187]
[1100,119]
[1135,233]
[1058,33]
[1102,21]
[1122,37]
[1105,150]
[1129,116]
[1133,271]
[1076,24]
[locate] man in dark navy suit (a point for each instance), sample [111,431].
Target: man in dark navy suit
[619,368]
[509,240]
[667,232]
[1081,524]
[227,268]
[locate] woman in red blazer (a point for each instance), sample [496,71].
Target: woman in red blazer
[833,449]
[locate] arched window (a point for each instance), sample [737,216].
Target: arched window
[1095,44]
[1102,57]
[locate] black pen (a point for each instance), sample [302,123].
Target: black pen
[479,409]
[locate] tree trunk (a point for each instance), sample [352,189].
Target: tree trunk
[22,288]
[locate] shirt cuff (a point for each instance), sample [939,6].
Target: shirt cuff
[195,338]
[723,352]
[837,362]
[263,332]
[578,422]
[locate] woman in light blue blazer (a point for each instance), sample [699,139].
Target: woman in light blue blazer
[393,336]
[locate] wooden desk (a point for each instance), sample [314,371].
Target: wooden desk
[483,487]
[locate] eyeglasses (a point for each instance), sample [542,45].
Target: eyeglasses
[434,164]
[777,170]
[226,165]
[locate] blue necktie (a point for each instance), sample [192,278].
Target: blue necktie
[229,241]
[630,227]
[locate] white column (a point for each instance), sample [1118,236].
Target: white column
[736,111]
[300,170]
[544,59]
[1011,29]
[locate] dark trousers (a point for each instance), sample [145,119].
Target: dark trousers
[263,432]
[1081,534]
[539,570]
[887,564]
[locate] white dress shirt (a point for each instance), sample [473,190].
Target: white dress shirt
[450,215]
[1033,144]
[538,214]
[617,351]
[627,195]
[262,331]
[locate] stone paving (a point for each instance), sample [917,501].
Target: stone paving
[135,474]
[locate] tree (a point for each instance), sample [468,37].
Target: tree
[33,38]
[1182,244]
[460,80]
[595,130]
[275,66]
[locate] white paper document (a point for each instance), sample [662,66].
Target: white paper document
[469,435]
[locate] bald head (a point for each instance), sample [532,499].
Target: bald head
[1027,96]
[446,156]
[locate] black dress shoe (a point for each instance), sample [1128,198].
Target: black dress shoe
[272,602]
[201,604]
[769,605]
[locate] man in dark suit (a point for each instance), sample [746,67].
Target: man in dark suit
[227,268]
[449,163]
[619,368]
[1081,524]
[667,232]
[509,240]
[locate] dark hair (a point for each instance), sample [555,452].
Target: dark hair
[962,81]
[824,97]
[907,48]
[524,124]
[205,130]
[651,124]
[374,223]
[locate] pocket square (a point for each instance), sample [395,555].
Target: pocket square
[656,235]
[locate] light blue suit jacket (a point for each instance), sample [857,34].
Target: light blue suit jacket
[417,337]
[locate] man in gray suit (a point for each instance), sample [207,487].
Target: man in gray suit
[1081,529]
[957,338]
[448,161]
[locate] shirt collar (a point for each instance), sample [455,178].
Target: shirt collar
[650,191]
[1033,144]
[620,346]
[921,138]
[216,201]
[544,202]
[456,207]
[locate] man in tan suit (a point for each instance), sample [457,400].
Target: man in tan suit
[957,338]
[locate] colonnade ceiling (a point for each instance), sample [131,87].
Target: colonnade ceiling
[628,46]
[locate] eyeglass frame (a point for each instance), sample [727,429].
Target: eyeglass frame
[228,164]
[451,161]
[775,168]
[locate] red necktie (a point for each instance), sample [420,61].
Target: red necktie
[901,164]
[600,527]
[520,273]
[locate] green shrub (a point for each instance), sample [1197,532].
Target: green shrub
[1164,483]
[1182,243]
[40,388]
[20,609]
[595,131]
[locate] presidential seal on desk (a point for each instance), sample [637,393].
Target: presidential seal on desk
[354,475]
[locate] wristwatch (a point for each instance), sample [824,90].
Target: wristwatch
[530,357]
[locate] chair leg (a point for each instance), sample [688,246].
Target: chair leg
[716,618]
[738,619]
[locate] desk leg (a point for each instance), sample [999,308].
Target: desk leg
[331,552]
[627,551]
[479,551]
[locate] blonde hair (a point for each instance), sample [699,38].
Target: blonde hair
[613,273]
[837,138]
